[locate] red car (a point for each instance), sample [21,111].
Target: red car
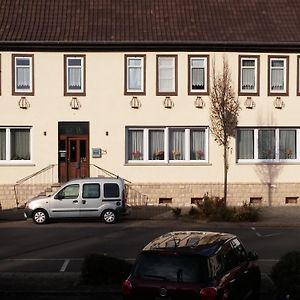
[194,265]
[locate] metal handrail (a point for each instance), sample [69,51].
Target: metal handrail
[109,173]
[21,181]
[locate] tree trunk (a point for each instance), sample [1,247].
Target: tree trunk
[225,174]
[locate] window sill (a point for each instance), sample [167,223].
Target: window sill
[269,162]
[168,163]
[16,163]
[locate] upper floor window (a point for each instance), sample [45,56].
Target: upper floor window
[249,75]
[198,75]
[167,144]
[14,144]
[278,76]
[74,75]
[276,144]
[22,69]
[166,69]
[135,74]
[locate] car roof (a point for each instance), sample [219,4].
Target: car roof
[194,242]
[94,179]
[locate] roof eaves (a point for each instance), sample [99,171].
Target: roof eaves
[239,46]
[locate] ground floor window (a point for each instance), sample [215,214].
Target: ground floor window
[166,144]
[274,144]
[14,144]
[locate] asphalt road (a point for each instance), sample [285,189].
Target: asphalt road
[62,246]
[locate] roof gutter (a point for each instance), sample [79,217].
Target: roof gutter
[91,46]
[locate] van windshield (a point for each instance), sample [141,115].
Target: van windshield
[172,267]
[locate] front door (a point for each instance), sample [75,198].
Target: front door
[77,163]
[73,151]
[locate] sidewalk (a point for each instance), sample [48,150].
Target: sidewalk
[270,216]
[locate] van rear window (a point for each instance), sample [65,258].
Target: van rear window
[111,190]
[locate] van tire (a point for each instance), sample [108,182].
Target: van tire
[109,216]
[40,216]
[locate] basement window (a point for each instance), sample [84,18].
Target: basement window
[291,200]
[165,201]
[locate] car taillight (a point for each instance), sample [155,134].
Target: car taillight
[126,288]
[209,293]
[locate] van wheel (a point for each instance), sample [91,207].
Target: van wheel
[109,216]
[40,216]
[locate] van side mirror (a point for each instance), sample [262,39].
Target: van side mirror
[252,256]
[59,196]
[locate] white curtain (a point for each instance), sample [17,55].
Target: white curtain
[156,145]
[134,74]
[20,144]
[248,75]
[177,144]
[2,144]
[266,144]
[198,75]
[166,74]
[277,75]
[74,77]
[197,145]
[135,145]
[23,78]
[245,146]
[287,144]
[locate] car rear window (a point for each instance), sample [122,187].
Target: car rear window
[172,267]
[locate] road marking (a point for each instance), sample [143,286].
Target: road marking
[265,235]
[64,266]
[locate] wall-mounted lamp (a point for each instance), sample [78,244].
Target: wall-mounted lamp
[278,103]
[24,103]
[199,103]
[135,102]
[74,103]
[168,103]
[249,103]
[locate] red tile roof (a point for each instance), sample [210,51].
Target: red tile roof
[106,22]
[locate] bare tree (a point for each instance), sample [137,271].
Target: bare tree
[224,112]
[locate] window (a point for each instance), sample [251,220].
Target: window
[167,144]
[298,75]
[260,144]
[278,76]
[14,144]
[249,75]
[74,75]
[111,190]
[166,75]
[0,74]
[135,74]
[198,75]
[69,192]
[22,69]
[91,190]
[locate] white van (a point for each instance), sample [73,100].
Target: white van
[88,197]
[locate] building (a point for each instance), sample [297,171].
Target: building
[90,87]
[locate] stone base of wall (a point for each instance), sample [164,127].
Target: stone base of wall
[11,197]
[179,194]
[184,194]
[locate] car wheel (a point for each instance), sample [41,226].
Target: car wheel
[40,216]
[109,216]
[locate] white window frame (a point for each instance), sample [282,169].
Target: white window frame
[142,79]
[285,75]
[82,74]
[8,160]
[198,91]
[20,90]
[173,89]
[255,69]
[277,145]
[167,159]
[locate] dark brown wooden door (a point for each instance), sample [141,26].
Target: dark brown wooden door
[78,158]
[73,157]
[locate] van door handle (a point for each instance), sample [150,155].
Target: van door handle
[75,201]
[83,201]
